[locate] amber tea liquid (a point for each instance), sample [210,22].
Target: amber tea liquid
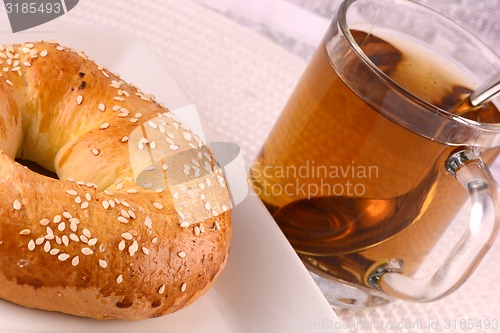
[350,188]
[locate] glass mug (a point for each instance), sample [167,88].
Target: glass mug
[367,166]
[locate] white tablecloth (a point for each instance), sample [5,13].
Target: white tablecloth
[240,81]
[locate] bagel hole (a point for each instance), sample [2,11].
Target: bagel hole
[35,167]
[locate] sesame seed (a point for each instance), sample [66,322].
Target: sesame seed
[217,225]
[196,231]
[57,218]
[46,247]
[17,204]
[67,215]
[78,200]
[207,205]
[152,145]
[54,251]
[58,240]
[104,126]
[120,99]
[124,139]
[25,232]
[44,53]
[184,224]
[125,214]
[145,250]
[61,226]
[103,263]
[44,222]
[122,219]
[121,245]
[31,245]
[86,251]
[86,232]
[127,235]
[181,254]
[27,64]
[154,240]
[60,48]
[187,136]
[183,287]
[79,99]
[88,196]
[119,186]
[84,239]
[119,279]
[84,205]
[161,290]
[111,202]
[105,204]
[92,241]
[75,261]
[65,240]
[132,190]
[102,107]
[95,151]
[63,256]
[74,238]
[131,213]
[72,192]
[133,248]
[14,69]
[148,222]
[202,227]
[173,147]
[157,205]
[134,120]
[105,74]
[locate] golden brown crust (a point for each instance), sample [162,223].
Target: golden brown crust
[95,243]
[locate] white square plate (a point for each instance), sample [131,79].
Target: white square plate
[264,288]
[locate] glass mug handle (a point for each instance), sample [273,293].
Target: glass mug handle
[474,176]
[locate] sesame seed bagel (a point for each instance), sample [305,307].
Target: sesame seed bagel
[137,223]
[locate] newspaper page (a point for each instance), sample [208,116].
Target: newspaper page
[298,25]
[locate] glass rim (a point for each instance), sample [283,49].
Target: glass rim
[343,26]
